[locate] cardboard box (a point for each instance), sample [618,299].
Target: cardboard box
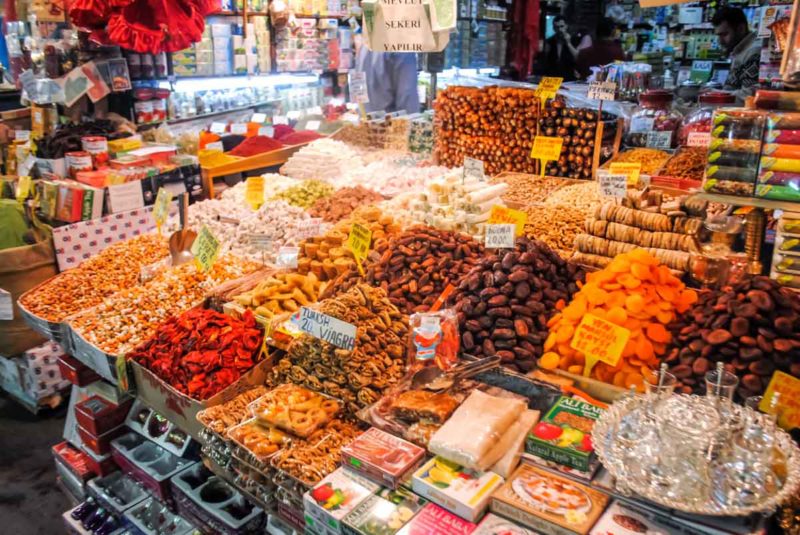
[385,513]
[457,489]
[334,497]
[494,525]
[382,457]
[563,435]
[620,519]
[433,520]
[548,503]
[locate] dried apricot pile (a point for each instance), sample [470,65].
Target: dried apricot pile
[635,292]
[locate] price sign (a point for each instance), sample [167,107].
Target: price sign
[600,341]
[217,128]
[631,170]
[268,131]
[205,249]
[161,207]
[280,119]
[548,87]
[312,125]
[358,87]
[546,149]
[215,145]
[260,242]
[501,236]
[602,90]
[23,188]
[6,306]
[614,186]
[327,328]
[239,128]
[294,115]
[502,215]
[308,228]
[316,110]
[259,118]
[659,140]
[473,169]
[121,365]
[786,389]
[358,242]
[287,257]
[254,192]
[22,135]
[701,71]
[699,139]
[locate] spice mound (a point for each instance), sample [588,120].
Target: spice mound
[503,302]
[359,376]
[201,352]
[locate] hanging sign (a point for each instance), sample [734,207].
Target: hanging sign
[408,26]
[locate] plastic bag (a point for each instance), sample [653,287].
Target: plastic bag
[434,339]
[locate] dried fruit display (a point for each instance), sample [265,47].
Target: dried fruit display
[635,292]
[280,293]
[220,418]
[342,203]
[201,352]
[752,326]
[578,128]
[651,159]
[503,303]
[359,376]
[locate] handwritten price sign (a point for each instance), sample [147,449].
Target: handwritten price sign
[548,88]
[631,170]
[546,149]
[501,214]
[161,208]
[599,340]
[205,249]
[358,242]
[500,236]
[254,192]
[602,90]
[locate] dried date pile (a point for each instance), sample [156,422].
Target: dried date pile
[577,127]
[752,327]
[504,303]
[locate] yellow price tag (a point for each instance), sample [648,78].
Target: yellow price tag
[205,249]
[546,149]
[161,207]
[599,340]
[254,192]
[502,215]
[548,88]
[787,406]
[631,170]
[23,188]
[122,373]
[358,242]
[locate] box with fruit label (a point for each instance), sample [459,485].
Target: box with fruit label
[384,513]
[333,498]
[564,435]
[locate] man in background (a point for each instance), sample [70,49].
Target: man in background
[560,52]
[730,25]
[604,50]
[391,80]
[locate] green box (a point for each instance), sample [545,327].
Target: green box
[563,435]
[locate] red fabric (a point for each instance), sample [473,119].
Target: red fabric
[280,131]
[524,36]
[600,53]
[256,145]
[303,136]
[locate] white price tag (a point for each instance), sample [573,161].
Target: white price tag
[279,119]
[602,90]
[308,228]
[698,139]
[260,242]
[239,129]
[500,236]
[287,257]
[268,131]
[615,186]
[473,169]
[22,135]
[6,306]
[641,125]
[659,140]
[327,328]
[312,125]
[316,110]
[259,118]
[295,115]
[125,197]
[217,128]
[215,145]
[358,87]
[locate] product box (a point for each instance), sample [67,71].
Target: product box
[99,444]
[385,513]
[457,489]
[564,434]
[382,457]
[334,497]
[433,520]
[99,415]
[497,525]
[548,503]
[620,519]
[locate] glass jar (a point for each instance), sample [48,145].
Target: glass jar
[696,128]
[655,123]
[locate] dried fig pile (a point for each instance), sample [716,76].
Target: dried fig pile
[504,303]
[753,327]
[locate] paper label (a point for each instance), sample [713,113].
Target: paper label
[294,115]
[287,257]
[612,185]
[22,135]
[126,197]
[632,170]
[312,125]
[358,242]
[698,139]
[501,236]
[641,125]
[358,87]
[23,188]
[24,169]
[473,169]
[279,119]
[205,249]
[161,207]
[6,306]
[268,131]
[548,87]
[327,328]
[502,215]
[546,148]
[787,406]
[316,110]
[260,241]
[308,228]
[599,340]
[254,192]
[215,145]
[602,90]
[659,140]
[217,128]
[239,129]
[259,118]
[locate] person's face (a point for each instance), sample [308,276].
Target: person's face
[560,26]
[728,36]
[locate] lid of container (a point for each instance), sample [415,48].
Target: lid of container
[717,97]
[655,96]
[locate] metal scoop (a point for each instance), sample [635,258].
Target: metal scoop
[180,243]
[435,379]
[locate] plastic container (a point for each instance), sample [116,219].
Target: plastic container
[732,163]
[148,462]
[696,126]
[776,100]
[783,121]
[655,124]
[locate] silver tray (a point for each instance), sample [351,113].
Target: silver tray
[49,329]
[603,439]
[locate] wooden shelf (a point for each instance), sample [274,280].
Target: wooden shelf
[266,159]
[757,202]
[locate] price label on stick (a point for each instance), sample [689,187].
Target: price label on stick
[602,90]
[312,125]
[327,328]
[217,128]
[502,215]
[358,242]
[260,241]
[205,249]
[161,208]
[659,140]
[600,341]
[630,170]
[121,365]
[548,88]
[698,139]
[473,169]
[280,119]
[287,257]
[308,228]
[254,192]
[239,129]
[782,398]
[266,131]
[611,185]
[546,149]
[501,236]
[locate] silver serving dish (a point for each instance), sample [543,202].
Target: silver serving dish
[604,439]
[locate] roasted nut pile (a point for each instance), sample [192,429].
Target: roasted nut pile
[416,265]
[584,197]
[280,293]
[305,194]
[327,256]
[578,128]
[526,189]
[131,316]
[556,226]
[651,159]
[116,268]
[503,303]
[634,292]
[753,327]
[493,124]
[359,376]
[342,203]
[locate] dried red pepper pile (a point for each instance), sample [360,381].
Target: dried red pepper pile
[201,352]
[256,145]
